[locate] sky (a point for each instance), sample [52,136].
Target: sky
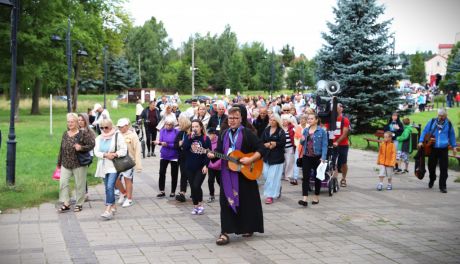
[419,25]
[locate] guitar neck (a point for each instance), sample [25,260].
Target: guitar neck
[221,156]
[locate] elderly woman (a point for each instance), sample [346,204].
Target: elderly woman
[274,140]
[73,141]
[184,127]
[169,154]
[289,147]
[134,151]
[202,115]
[110,144]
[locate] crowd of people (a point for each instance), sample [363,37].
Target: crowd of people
[286,133]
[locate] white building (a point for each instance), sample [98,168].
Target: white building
[438,63]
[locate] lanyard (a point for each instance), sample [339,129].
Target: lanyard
[234,138]
[219,118]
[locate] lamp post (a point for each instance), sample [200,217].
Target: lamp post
[80,52]
[272,79]
[105,76]
[11,143]
[193,68]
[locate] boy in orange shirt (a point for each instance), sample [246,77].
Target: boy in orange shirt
[386,160]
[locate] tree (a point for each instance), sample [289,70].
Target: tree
[151,43]
[120,75]
[254,55]
[300,74]
[416,69]
[357,55]
[287,55]
[237,69]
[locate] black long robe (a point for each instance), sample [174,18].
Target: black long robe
[249,217]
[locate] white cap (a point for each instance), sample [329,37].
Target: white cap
[122,122]
[96,107]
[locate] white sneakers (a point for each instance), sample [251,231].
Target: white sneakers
[127,203]
[121,199]
[107,215]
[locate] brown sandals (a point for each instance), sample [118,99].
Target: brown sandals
[223,240]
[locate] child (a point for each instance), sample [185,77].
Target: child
[405,144]
[386,160]
[213,167]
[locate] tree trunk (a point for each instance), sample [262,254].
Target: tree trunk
[75,87]
[36,93]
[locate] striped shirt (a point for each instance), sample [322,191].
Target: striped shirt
[288,140]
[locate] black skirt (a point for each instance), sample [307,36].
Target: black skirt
[249,216]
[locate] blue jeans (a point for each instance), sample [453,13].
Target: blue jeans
[109,182]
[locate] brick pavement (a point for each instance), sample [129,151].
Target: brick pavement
[410,224]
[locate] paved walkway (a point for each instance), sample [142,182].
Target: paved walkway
[411,224]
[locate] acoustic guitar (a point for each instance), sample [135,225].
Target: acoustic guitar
[428,142]
[251,171]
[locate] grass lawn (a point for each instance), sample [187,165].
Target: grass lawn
[37,150]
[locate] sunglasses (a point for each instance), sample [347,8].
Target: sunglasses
[105,128]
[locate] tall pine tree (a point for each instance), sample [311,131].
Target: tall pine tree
[357,55]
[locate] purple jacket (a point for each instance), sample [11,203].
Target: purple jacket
[168,152]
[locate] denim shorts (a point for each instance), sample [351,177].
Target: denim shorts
[129,174]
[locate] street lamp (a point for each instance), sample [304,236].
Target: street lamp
[272,79]
[80,52]
[11,142]
[104,51]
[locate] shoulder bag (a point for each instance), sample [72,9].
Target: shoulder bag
[122,163]
[84,157]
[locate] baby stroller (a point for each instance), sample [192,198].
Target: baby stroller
[139,128]
[330,181]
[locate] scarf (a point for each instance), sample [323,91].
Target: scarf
[109,134]
[230,178]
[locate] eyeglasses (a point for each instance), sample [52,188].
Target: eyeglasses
[105,128]
[233,118]
[286,110]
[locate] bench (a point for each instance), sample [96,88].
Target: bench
[378,134]
[451,155]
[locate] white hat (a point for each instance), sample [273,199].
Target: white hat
[96,107]
[122,122]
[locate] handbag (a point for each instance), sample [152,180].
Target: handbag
[299,160]
[84,157]
[57,174]
[122,163]
[321,170]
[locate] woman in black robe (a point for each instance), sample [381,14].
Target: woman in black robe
[244,215]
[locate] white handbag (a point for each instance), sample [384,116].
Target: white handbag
[321,171]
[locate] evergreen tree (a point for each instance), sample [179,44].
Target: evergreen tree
[120,75]
[416,69]
[357,55]
[287,54]
[454,66]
